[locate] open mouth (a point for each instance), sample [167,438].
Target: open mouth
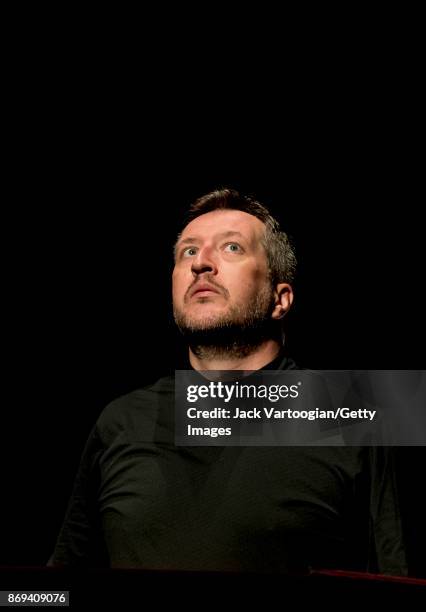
[204,291]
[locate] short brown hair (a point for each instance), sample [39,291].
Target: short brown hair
[279,250]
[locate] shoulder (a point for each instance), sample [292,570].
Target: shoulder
[139,412]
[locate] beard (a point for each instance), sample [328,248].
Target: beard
[236,333]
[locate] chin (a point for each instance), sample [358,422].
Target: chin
[199,317]
[205,311]
[204,320]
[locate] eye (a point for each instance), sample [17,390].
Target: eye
[233,247]
[189,252]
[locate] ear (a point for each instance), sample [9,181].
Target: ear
[283,299]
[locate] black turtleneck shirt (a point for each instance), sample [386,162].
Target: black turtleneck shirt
[140,501]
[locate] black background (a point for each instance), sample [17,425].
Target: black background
[103,163]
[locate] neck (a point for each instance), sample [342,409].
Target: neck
[260,357]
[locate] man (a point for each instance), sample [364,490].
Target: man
[231,283]
[141,501]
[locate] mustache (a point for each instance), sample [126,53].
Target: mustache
[208,281]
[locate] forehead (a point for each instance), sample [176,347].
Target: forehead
[220,221]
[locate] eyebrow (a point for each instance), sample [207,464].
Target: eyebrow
[194,240]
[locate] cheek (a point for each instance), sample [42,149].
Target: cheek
[247,281]
[179,284]
[248,289]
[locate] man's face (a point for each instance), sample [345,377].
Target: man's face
[221,272]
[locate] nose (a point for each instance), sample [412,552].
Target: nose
[203,262]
